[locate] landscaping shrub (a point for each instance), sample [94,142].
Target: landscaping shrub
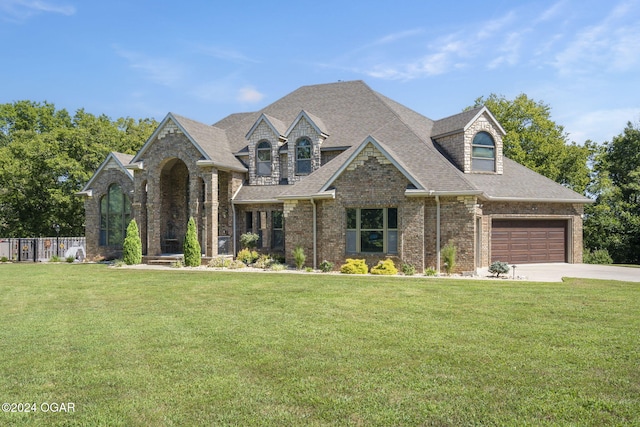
[449,257]
[236,264]
[4,259]
[247,256]
[276,266]
[498,268]
[264,262]
[431,272]
[326,266]
[191,247]
[354,266]
[249,240]
[219,262]
[386,267]
[70,259]
[55,258]
[408,269]
[299,257]
[132,246]
[598,256]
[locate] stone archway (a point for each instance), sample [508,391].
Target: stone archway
[174,205]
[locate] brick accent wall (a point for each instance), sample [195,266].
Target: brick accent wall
[92,211]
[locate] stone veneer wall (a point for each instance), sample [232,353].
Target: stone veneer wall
[261,133]
[303,129]
[92,211]
[458,146]
[172,144]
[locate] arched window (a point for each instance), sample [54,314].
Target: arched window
[263,158]
[115,214]
[303,157]
[483,153]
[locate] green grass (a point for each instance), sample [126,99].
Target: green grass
[173,347]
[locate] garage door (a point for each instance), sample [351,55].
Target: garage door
[528,241]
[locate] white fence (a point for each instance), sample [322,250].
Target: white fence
[42,248]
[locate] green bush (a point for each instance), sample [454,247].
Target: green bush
[55,258]
[177,264]
[191,246]
[264,262]
[354,266]
[408,269]
[498,268]
[598,256]
[249,240]
[219,262]
[431,272]
[236,264]
[326,266]
[449,257]
[247,256]
[70,259]
[132,246]
[299,257]
[4,259]
[386,267]
[276,266]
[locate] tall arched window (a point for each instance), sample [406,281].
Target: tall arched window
[263,158]
[483,153]
[303,156]
[115,214]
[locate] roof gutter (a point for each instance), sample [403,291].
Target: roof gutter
[431,193]
[220,166]
[536,200]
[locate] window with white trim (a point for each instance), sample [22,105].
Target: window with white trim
[263,158]
[483,153]
[372,230]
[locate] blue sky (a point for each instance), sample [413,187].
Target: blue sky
[207,59]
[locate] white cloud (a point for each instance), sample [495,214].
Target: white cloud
[250,95]
[610,45]
[23,9]
[159,70]
[225,54]
[600,125]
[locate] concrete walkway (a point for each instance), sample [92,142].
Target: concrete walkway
[555,272]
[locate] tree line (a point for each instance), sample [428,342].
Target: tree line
[47,155]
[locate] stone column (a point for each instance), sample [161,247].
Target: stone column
[211,211]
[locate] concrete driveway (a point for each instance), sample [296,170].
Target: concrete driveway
[555,272]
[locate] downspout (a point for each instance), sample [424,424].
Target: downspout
[315,234]
[438,232]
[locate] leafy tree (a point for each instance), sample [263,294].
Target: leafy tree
[613,221]
[46,156]
[132,247]
[537,142]
[191,247]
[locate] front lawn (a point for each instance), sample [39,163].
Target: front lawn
[175,347]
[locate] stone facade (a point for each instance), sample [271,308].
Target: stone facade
[175,178]
[110,175]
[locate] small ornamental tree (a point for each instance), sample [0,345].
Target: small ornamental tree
[449,257]
[498,268]
[132,247]
[191,246]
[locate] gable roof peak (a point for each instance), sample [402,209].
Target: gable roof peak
[277,126]
[314,121]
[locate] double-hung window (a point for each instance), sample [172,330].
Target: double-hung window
[483,153]
[303,157]
[263,158]
[372,230]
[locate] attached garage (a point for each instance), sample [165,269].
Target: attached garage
[528,241]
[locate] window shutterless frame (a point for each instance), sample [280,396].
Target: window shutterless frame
[372,230]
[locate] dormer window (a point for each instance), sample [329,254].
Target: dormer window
[303,156]
[483,153]
[263,158]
